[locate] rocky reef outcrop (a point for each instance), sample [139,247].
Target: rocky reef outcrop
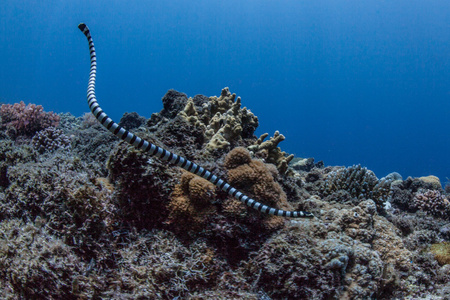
[84,216]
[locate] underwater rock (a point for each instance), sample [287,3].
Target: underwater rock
[131,120]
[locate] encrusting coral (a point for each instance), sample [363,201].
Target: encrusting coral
[441,252]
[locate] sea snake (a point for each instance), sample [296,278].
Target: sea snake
[163,154]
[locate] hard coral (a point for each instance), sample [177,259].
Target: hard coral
[50,139]
[360,183]
[158,266]
[21,119]
[220,121]
[62,191]
[190,203]
[441,252]
[432,202]
[38,265]
[142,186]
[10,155]
[298,264]
[256,178]
[270,152]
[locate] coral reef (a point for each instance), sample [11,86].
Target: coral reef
[329,259]
[102,220]
[21,119]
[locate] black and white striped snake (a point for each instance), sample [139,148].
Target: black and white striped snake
[163,154]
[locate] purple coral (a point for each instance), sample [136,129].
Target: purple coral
[50,139]
[21,119]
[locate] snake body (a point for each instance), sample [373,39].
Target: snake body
[164,154]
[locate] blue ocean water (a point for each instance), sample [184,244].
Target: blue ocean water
[347,82]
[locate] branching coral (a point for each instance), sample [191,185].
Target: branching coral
[10,155]
[38,265]
[158,266]
[21,119]
[221,121]
[360,183]
[270,152]
[229,121]
[50,139]
[432,202]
